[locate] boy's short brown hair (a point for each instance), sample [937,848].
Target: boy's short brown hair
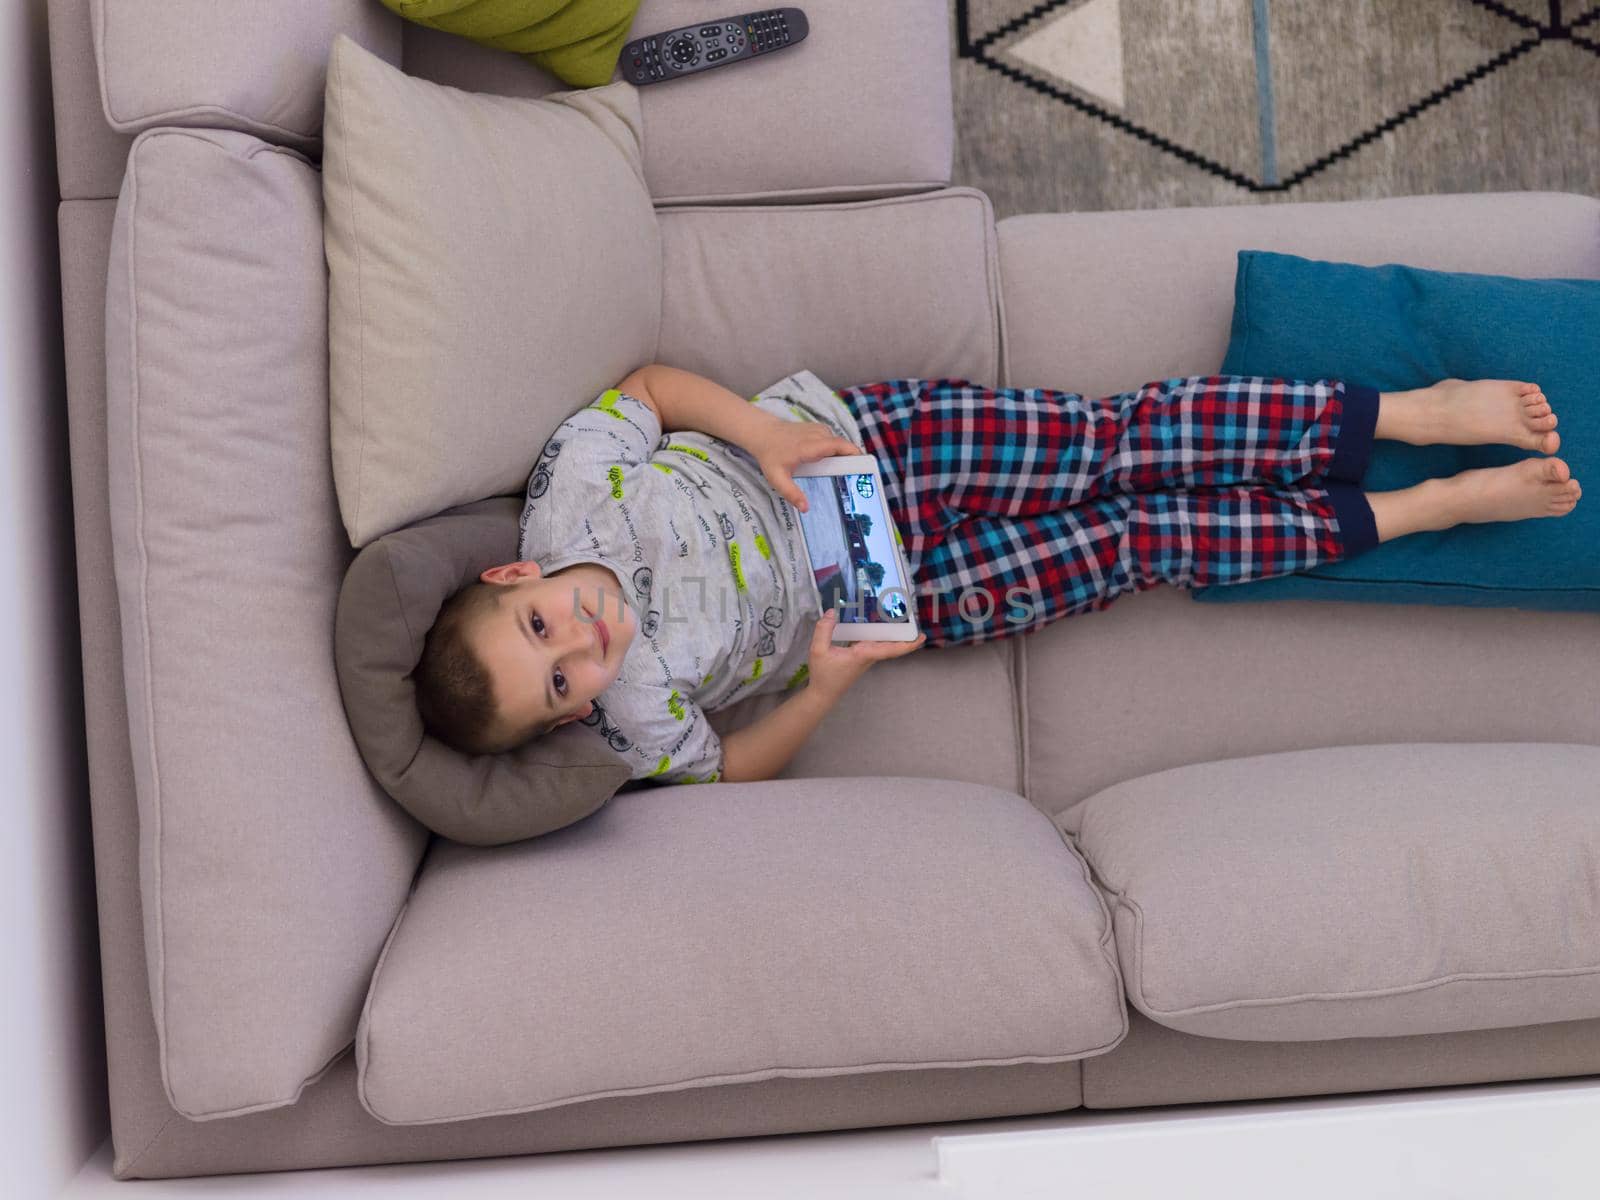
[454,692]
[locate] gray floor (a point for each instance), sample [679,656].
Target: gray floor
[1089,105]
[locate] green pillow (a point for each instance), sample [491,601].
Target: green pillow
[1397,327]
[578,41]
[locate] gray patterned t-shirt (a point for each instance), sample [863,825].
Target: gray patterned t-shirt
[710,558]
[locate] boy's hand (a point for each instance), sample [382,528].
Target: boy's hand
[784,445]
[833,668]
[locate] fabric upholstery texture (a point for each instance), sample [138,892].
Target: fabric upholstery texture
[1104,301]
[733,277]
[578,41]
[865,733]
[1355,891]
[1397,327]
[1158,1065]
[390,597]
[254,67]
[256,817]
[493,264]
[728,933]
[896,107]
[90,155]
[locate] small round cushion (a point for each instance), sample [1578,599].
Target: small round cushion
[390,597]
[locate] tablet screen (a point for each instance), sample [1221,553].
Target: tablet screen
[850,537]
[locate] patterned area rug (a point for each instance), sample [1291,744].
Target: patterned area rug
[1109,104]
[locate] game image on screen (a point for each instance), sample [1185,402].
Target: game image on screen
[851,540]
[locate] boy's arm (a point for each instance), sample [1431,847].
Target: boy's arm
[761,749]
[684,400]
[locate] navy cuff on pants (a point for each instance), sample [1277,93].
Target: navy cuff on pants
[1352,449]
[1358,528]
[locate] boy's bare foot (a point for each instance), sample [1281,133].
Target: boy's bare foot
[1534,487]
[1481,412]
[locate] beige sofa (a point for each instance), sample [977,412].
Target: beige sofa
[1167,853]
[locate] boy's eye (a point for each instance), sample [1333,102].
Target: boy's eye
[560,679]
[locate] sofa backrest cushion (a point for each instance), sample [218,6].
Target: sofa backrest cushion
[391,597]
[493,264]
[856,122]
[254,67]
[257,818]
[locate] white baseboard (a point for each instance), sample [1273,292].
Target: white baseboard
[1492,1142]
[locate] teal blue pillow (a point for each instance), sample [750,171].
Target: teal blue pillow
[1394,328]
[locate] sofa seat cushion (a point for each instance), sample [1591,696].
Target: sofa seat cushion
[738,933]
[746,295]
[1360,891]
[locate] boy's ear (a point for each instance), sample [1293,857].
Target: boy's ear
[511,572]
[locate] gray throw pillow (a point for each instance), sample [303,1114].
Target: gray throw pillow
[391,595]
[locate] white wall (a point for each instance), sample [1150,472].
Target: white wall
[52,1051]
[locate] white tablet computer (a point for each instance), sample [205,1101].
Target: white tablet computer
[856,561]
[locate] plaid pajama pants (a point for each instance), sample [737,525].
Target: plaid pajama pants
[1020,506]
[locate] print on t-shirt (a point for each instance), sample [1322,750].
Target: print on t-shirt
[709,554]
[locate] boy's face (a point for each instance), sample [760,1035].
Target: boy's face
[556,642]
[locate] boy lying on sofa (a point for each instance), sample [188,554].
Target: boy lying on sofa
[660,578]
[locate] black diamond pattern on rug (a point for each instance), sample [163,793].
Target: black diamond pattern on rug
[1264,95]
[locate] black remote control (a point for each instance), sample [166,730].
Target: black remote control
[680,52]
